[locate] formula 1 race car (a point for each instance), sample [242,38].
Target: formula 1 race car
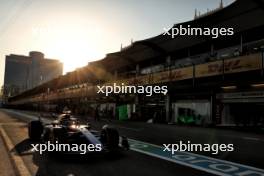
[67,129]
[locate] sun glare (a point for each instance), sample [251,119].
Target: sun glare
[75,47]
[76,53]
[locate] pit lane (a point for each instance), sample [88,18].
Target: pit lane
[139,156]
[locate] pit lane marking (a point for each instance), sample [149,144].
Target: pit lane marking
[18,161]
[245,138]
[253,139]
[31,117]
[13,123]
[199,162]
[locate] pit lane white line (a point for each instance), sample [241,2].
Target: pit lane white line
[245,138]
[30,117]
[18,161]
[252,139]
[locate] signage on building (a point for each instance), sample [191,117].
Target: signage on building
[172,75]
[160,77]
[181,74]
[244,63]
[241,64]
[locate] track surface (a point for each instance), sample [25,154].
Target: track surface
[17,158]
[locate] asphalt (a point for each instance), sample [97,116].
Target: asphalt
[248,149]
[129,163]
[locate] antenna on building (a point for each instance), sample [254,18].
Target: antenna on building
[221,4]
[121,47]
[132,41]
[195,14]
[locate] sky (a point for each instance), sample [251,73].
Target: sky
[79,31]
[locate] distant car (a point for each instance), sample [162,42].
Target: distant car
[67,129]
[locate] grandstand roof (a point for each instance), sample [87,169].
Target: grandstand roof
[241,15]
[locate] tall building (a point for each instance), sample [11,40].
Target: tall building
[26,72]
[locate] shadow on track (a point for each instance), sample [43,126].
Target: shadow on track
[52,164]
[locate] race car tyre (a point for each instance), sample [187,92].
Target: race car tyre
[110,137]
[35,129]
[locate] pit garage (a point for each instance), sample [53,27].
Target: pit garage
[194,112]
[241,109]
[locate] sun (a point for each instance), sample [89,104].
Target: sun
[74,47]
[76,53]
